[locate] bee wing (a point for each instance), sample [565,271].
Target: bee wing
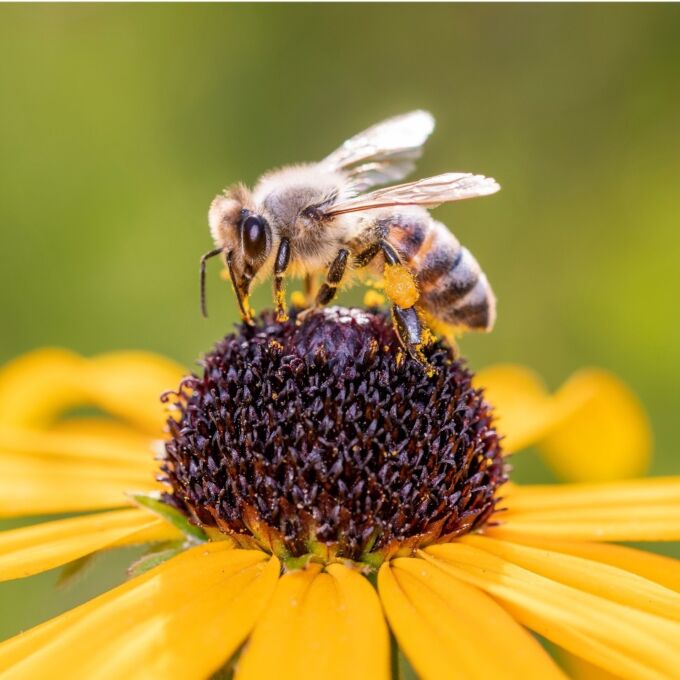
[430,192]
[384,153]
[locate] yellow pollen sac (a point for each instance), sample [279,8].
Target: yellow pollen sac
[400,286]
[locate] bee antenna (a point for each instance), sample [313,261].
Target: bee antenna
[204,259]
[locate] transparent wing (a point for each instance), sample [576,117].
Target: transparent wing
[385,152]
[430,192]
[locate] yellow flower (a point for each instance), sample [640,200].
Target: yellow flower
[458,608]
[592,429]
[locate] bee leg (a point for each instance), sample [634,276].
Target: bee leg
[204,260]
[333,277]
[241,289]
[366,256]
[401,289]
[400,286]
[412,335]
[327,291]
[280,265]
[408,327]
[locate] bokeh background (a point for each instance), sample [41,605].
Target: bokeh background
[118,124]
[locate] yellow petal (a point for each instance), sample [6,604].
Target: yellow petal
[449,629]
[83,466]
[37,385]
[40,486]
[327,625]
[104,428]
[37,388]
[613,583]
[662,570]
[637,510]
[650,524]
[606,434]
[640,492]
[160,531]
[129,385]
[182,620]
[105,445]
[622,639]
[522,404]
[594,428]
[580,669]
[30,550]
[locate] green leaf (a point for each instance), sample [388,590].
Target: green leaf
[159,554]
[171,515]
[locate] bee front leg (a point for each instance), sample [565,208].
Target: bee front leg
[204,260]
[280,265]
[241,289]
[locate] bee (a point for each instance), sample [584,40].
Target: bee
[320,218]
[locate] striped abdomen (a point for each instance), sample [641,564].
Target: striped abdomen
[452,286]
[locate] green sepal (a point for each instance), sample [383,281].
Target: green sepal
[160,553]
[373,560]
[302,562]
[171,515]
[368,546]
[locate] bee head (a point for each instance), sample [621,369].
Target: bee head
[255,236]
[239,228]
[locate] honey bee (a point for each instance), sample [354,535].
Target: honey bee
[320,218]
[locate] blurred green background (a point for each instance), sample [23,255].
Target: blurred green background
[118,125]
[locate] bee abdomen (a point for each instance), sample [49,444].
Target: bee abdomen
[447,273]
[408,232]
[477,310]
[452,286]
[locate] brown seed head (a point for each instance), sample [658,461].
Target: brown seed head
[324,438]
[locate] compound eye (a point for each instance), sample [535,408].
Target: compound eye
[254,237]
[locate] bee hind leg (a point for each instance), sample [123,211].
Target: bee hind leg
[413,336]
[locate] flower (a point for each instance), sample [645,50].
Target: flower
[337,496]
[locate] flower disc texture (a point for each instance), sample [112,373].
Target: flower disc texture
[321,435]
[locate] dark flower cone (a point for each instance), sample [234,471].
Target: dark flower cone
[324,438]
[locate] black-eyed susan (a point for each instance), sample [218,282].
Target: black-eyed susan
[325,507]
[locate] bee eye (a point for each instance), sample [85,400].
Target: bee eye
[254,237]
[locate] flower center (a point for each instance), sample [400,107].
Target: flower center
[322,437]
